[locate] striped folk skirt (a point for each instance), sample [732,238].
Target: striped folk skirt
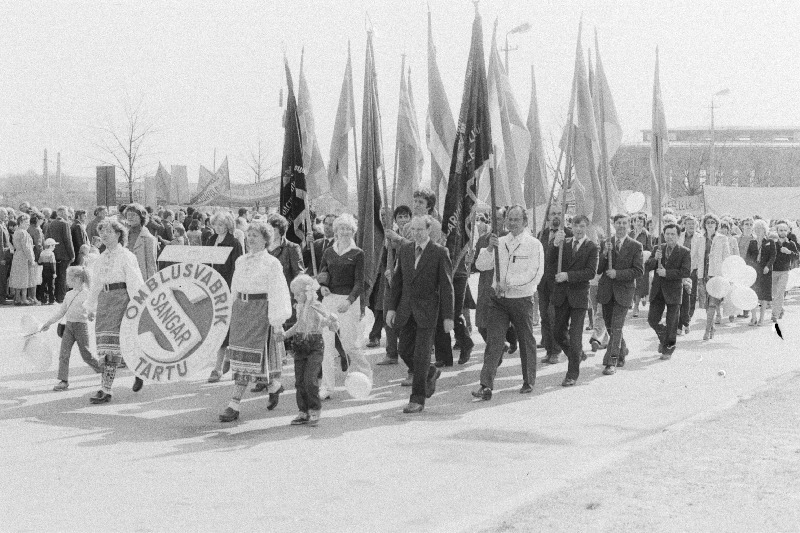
[253,353]
[111,307]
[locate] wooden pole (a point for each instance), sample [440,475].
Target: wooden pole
[603,145]
[566,184]
[397,140]
[495,229]
[556,175]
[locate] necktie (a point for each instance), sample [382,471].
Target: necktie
[758,258]
[574,247]
[669,252]
[619,245]
[417,255]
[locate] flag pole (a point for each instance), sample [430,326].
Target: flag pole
[556,176]
[355,146]
[397,140]
[495,229]
[566,183]
[533,194]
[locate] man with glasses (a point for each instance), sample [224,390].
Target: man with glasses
[545,290]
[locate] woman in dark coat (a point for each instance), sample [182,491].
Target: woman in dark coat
[761,255]
[224,225]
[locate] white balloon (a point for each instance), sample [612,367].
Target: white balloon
[718,287]
[731,264]
[358,385]
[744,297]
[744,275]
[635,202]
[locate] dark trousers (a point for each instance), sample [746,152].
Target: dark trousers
[547,318]
[614,315]
[511,335]
[377,325]
[415,350]
[391,342]
[500,313]
[667,335]
[568,332]
[5,269]
[308,354]
[61,279]
[443,341]
[45,292]
[686,316]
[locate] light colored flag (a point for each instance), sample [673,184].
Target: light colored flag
[316,182]
[440,128]
[180,184]
[163,185]
[150,191]
[370,233]
[606,116]
[338,162]
[409,148]
[659,145]
[215,184]
[509,131]
[586,185]
[536,187]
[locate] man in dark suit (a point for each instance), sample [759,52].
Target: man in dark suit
[6,255]
[545,290]
[59,231]
[421,292]
[91,228]
[672,263]
[320,245]
[617,286]
[79,235]
[570,294]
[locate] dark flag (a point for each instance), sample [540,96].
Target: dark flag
[370,228]
[472,148]
[293,177]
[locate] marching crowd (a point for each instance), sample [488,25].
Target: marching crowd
[290,302]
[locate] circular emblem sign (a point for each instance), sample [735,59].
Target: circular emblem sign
[176,323]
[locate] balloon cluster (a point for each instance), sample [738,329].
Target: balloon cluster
[735,283]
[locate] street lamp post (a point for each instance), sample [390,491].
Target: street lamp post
[522,28]
[712,170]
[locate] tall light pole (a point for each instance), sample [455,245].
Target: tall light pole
[522,28]
[712,170]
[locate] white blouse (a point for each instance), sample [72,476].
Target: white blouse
[258,273]
[118,266]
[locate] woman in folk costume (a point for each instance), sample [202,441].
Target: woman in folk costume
[116,279]
[260,307]
[710,254]
[342,280]
[761,255]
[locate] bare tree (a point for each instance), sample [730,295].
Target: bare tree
[124,145]
[256,162]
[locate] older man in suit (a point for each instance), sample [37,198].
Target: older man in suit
[672,263]
[421,292]
[59,231]
[545,289]
[570,294]
[620,264]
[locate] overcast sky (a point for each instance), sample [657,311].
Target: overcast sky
[209,72]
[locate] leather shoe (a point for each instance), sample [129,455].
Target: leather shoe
[226,366]
[374,343]
[441,364]
[408,381]
[137,384]
[568,382]
[430,385]
[666,356]
[387,361]
[229,415]
[609,371]
[465,356]
[413,408]
[259,387]
[274,397]
[526,388]
[551,359]
[214,377]
[512,347]
[100,397]
[484,394]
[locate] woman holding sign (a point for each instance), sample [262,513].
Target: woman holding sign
[261,305]
[116,280]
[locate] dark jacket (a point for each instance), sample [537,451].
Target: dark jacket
[768,253]
[550,268]
[226,269]
[424,292]
[59,231]
[291,258]
[678,266]
[320,245]
[783,262]
[79,238]
[629,265]
[580,269]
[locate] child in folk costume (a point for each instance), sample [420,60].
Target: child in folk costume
[308,347]
[260,307]
[116,278]
[47,259]
[75,327]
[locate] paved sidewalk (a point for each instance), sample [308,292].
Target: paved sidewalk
[159,460]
